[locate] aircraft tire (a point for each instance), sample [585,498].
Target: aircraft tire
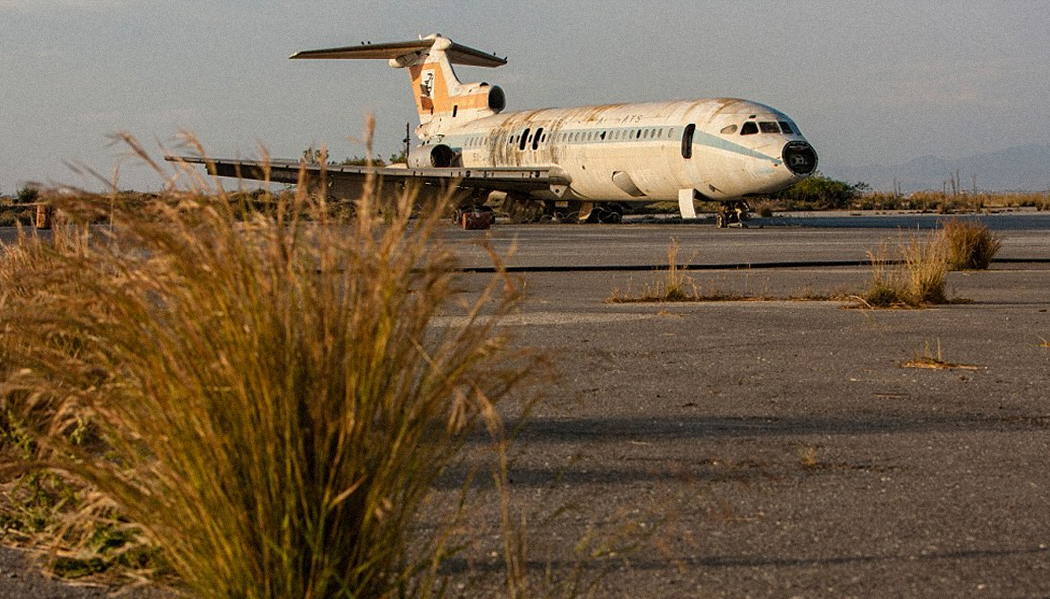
[521,210]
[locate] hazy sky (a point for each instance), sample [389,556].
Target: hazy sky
[878,82]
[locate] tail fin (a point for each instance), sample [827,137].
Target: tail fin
[440,97]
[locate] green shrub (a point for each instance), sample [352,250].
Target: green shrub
[27,195]
[821,192]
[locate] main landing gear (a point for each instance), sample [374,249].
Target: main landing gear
[732,214]
[526,210]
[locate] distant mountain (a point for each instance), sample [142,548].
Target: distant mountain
[1022,168]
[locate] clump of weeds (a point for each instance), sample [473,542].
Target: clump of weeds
[808,457]
[934,360]
[970,245]
[673,285]
[913,274]
[267,399]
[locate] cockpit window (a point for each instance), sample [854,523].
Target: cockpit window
[729,129]
[786,128]
[768,127]
[749,128]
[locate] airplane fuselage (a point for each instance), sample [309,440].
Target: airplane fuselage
[581,162]
[724,148]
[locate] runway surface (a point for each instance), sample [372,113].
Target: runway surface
[781,448]
[771,448]
[817,238]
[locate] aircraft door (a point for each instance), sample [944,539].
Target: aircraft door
[687,141]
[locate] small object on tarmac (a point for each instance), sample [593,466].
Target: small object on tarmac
[476,220]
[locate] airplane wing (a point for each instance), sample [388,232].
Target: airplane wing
[509,179]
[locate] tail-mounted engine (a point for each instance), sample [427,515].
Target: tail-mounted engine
[436,156]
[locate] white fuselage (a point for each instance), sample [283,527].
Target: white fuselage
[722,148]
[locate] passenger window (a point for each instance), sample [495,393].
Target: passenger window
[524,139]
[603,135]
[455,109]
[729,129]
[786,128]
[687,141]
[749,128]
[768,127]
[536,138]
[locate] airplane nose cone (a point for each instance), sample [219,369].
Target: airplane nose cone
[800,158]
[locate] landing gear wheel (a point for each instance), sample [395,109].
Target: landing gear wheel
[732,213]
[606,214]
[522,210]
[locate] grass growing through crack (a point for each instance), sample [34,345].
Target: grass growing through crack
[673,285]
[970,245]
[265,400]
[913,274]
[934,360]
[808,457]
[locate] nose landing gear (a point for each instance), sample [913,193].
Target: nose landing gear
[732,214]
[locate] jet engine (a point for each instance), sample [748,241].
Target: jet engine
[436,156]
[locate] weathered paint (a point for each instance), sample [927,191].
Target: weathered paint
[640,143]
[593,143]
[615,152]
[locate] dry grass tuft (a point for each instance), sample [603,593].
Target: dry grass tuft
[912,275]
[808,457]
[675,282]
[266,398]
[970,245]
[673,286]
[934,361]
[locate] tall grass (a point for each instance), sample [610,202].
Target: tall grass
[267,399]
[672,286]
[970,245]
[912,274]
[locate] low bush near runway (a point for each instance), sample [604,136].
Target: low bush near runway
[264,400]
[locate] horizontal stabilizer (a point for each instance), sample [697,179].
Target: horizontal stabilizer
[456,53]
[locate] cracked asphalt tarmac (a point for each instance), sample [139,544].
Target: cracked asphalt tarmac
[765,448]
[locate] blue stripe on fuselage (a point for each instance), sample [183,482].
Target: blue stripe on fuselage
[701,138]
